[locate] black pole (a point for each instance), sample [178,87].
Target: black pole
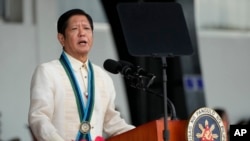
[164,71]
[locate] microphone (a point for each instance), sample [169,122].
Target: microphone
[115,67]
[112,66]
[138,77]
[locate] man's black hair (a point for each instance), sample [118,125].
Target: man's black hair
[63,19]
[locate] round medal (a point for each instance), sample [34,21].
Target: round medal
[85,127]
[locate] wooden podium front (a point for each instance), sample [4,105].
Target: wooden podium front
[153,131]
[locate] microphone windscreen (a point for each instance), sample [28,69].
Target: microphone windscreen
[111,66]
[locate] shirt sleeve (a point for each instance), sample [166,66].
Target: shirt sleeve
[42,106]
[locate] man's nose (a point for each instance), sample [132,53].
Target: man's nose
[82,32]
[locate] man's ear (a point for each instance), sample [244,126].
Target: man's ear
[60,38]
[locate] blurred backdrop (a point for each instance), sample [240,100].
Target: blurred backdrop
[216,75]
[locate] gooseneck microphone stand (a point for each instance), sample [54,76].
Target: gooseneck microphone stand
[165,98]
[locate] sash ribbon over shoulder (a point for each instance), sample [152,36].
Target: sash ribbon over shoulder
[85,113]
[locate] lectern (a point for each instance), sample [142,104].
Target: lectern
[153,131]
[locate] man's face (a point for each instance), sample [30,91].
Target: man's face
[78,38]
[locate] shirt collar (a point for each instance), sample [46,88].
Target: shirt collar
[75,64]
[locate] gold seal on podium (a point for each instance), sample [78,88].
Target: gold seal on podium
[206,125]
